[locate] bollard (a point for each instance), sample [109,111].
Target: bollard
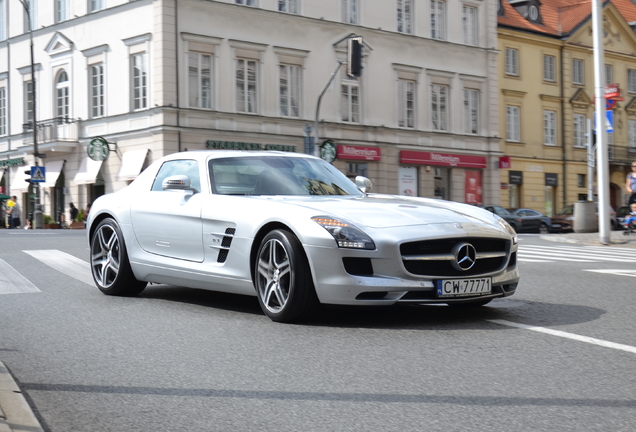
[585,217]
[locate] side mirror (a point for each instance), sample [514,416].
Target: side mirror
[177,182]
[364,184]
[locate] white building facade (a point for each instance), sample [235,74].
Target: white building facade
[153,77]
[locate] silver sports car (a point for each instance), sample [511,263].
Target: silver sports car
[294,231]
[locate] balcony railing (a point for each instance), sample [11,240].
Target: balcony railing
[52,130]
[621,154]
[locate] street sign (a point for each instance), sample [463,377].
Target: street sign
[609,121]
[38,174]
[612,91]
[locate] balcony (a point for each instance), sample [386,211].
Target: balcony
[621,154]
[55,130]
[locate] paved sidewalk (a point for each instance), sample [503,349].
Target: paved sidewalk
[617,238]
[15,413]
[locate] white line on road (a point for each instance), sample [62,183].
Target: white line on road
[617,272]
[65,263]
[594,341]
[12,282]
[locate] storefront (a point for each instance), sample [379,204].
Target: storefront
[456,177]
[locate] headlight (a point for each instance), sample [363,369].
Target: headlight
[510,230]
[346,235]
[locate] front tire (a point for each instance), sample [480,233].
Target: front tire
[109,261]
[543,229]
[282,278]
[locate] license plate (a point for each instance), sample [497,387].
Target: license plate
[463,287]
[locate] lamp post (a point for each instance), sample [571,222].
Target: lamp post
[38,220]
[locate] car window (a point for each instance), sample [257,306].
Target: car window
[567,210]
[500,211]
[278,176]
[532,213]
[521,213]
[186,167]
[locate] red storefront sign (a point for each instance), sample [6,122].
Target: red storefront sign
[358,153]
[504,162]
[472,187]
[431,158]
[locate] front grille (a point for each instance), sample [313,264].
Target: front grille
[441,261]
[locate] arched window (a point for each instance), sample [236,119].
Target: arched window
[62,95]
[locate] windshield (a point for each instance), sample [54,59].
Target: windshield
[567,210]
[278,175]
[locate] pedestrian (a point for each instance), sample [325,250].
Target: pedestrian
[15,213]
[10,205]
[630,184]
[74,212]
[88,208]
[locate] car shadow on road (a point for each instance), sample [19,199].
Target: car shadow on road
[402,316]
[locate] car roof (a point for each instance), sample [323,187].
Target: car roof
[216,154]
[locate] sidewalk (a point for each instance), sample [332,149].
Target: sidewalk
[617,238]
[15,413]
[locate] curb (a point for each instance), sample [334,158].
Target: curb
[15,413]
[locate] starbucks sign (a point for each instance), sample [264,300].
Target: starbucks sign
[328,151]
[98,149]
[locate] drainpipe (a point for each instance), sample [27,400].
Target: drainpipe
[176,49]
[563,135]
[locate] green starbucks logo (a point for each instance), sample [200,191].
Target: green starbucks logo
[98,149]
[328,151]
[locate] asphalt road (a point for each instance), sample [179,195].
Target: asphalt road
[558,355]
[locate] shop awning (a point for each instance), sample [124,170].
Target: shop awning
[88,171]
[53,170]
[19,181]
[131,164]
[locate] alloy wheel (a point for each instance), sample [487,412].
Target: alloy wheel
[105,256]
[274,275]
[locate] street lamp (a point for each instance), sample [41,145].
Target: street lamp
[38,221]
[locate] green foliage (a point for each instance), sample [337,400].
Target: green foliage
[80,216]
[48,219]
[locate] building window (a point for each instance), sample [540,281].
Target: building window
[97,90]
[350,101]
[61,10]
[3,19]
[632,136]
[438,19]
[246,86]
[289,90]
[579,130]
[631,81]
[350,11]
[31,5]
[549,127]
[609,74]
[96,5]
[289,6]
[246,2]
[406,103]
[469,24]
[3,110]
[355,169]
[199,80]
[28,102]
[439,107]
[471,111]
[139,81]
[513,130]
[580,180]
[405,16]
[578,75]
[61,95]
[549,71]
[512,61]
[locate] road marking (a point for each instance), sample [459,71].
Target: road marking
[530,253]
[64,263]
[590,340]
[617,272]
[12,282]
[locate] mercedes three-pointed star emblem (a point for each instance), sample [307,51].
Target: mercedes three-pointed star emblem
[465,256]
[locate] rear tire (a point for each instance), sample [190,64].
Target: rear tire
[543,229]
[109,261]
[282,278]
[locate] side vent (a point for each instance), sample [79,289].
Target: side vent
[225,245]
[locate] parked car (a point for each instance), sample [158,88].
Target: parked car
[534,221]
[621,213]
[565,218]
[516,222]
[294,231]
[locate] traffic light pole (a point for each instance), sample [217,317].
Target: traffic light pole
[316,149]
[38,216]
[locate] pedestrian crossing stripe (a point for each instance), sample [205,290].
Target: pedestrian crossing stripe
[583,254]
[616,272]
[38,174]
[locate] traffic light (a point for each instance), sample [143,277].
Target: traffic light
[354,56]
[28,173]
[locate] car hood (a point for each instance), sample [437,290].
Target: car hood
[387,211]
